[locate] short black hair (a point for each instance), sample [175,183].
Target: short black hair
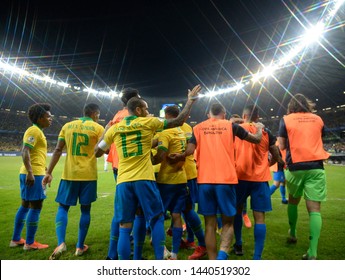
[173,111]
[235,116]
[128,93]
[252,111]
[217,108]
[37,111]
[90,108]
[133,103]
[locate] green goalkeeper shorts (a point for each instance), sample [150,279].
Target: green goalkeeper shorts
[310,183]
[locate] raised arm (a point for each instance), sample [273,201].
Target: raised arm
[183,116]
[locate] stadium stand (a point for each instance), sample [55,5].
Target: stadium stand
[14,122]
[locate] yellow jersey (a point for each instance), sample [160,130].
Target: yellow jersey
[190,164]
[156,167]
[172,140]
[133,140]
[80,136]
[34,139]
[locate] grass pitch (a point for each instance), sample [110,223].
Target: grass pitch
[331,244]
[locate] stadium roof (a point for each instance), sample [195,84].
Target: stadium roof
[165,47]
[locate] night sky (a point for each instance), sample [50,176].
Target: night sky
[165,47]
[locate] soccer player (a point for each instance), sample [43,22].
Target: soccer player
[235,118]
[300,133]
[127,94]
[252,167]
[79,177]
[279,177]
[246,220]
[171,178]
[136,182]
[193,222]
[34,153]
[213,140]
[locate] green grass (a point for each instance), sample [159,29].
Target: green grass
[331,244]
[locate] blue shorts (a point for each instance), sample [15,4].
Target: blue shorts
[33,193]
[70,191]
[193,189]
[213,197]
[259,192]
[131,194]
[279,176]
[173,197]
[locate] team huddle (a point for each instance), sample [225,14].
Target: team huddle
[163,166]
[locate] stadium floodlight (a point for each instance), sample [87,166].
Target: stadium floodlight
[335,9]
[37,77]
[266,72]
[65,85]
[213,93]
[13,69]
[90,90]
[113,93]
[49,80]
[6,67]
[313,34]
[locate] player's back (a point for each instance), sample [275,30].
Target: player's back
[133,140]
[81,137]
[305,137]
[215,152]
[252,159]
[172,141]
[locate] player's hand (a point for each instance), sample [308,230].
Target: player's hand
[48,178]
[109,125]
[30,179]
[194,93]
[174,158]
[259,125]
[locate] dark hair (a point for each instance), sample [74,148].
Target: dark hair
[37,111]
[133,103]
[173,111]
[128,93]
[217,109]
[235,116]
[251,111]
[90,108]
[299,103]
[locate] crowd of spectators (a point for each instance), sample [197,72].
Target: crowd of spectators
[14,124]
